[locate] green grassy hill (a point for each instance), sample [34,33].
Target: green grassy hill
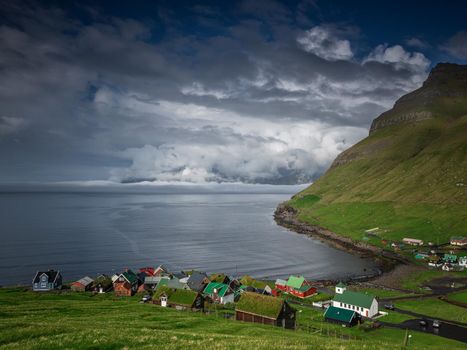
[70,320]
[409,176]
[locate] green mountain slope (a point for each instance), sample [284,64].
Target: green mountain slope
[409,176]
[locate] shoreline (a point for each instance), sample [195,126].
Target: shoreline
[286,216]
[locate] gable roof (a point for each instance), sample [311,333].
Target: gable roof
[336,313]
[196,280]
[171,283]
[130,276]
[281,282]
[85,281]
[355,298]
[295,281]
[259,304]
[51,274]
[222,289]
[218,277]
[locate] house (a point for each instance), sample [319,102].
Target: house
[421,256]
[102,284]
[161,270]
[362,303]
[82,284]
[219,293]
[257,308]
[148,271]
[458,240]
[150,282]
[435,261]
[197,281]
[447,267]
[173,283]
[412,241]
[348,318]
[44,281]
[450,258]
[297,286]
[463,261]
[126,283]
[180,299]
[281,285]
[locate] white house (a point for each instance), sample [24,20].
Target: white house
[364,304]
[412,241]
[462,261]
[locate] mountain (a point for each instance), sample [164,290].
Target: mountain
[408,177]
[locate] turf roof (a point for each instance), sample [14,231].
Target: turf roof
[260,304]
[177,296]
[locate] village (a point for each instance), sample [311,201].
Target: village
[448,256]
[285,302]
[253,300]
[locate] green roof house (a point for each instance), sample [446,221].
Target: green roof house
[295,282]
[258,308]
[341,316]
[219,293]
[450,258]
[362,303]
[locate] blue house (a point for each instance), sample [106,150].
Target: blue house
[47,280]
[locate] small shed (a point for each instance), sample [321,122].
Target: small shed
[82,284]
[345,317]
[258,308]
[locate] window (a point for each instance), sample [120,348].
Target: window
[341,304]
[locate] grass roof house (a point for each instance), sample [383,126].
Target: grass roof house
[181,299]
[257,308]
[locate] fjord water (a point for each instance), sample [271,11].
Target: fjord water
[90,233]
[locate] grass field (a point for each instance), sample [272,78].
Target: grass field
[415,282]
[435,308]
[460,297]
[408,180]
[80,321]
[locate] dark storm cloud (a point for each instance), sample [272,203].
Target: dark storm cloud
[256,98]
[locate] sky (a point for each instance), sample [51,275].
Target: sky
[183,91]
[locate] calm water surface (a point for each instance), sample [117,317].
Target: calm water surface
[85,234]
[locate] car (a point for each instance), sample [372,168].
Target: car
[436,324]
[423,323]
[146,298]
[389,306]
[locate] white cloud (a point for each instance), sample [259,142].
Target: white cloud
[322,42]
[234,147]
[396,54]
[456,46]
[417,43]
[10,125]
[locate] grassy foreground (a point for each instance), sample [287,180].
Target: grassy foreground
[81,321]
